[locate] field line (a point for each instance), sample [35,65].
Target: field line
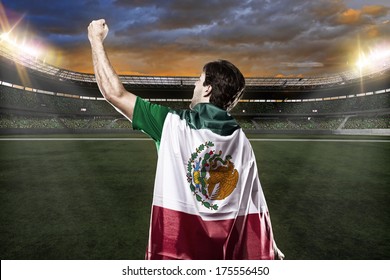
[148,139]
[319,140]
[73,139]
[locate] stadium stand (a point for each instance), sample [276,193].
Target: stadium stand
[27,109]
[54,98]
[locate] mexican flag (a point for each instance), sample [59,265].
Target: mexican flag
[208,202]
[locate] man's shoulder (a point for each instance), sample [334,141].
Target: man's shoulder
[208,116]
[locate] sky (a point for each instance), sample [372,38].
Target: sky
[264,38]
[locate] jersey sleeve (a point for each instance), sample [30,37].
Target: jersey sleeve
[149,118]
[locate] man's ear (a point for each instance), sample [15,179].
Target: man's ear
[208,90]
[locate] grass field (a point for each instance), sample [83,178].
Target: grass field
[88,199]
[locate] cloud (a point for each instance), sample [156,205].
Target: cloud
[350,16]
[258,36]
[375,10]
[263,37]
[366,15]
[306,64]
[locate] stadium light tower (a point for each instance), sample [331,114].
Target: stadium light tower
[4,36]
[377,58]
[17,47]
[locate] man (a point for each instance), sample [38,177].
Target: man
[207,202]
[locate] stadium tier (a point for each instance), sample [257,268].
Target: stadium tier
[21,108]
[36,95]
[22,69]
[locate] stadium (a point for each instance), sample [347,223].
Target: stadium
[77,181]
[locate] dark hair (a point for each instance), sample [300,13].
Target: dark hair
[227,83]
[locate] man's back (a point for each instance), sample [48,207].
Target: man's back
[208,202]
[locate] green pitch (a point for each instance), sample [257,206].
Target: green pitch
[88,199]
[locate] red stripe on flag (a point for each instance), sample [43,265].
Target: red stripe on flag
[178,235]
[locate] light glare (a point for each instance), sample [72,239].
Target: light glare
[377,58]
[24,47]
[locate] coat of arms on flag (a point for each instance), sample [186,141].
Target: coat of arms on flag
[211,176]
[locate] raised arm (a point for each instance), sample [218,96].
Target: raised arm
[108,81]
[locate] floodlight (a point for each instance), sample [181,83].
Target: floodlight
[4,36]
[17,47]
[376,59]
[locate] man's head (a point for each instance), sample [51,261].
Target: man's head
[221,84]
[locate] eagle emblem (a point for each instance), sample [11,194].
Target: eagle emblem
[211,176]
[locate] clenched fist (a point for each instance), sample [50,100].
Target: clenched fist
[97,31]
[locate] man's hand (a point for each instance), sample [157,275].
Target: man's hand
[97,31]
[278,254]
